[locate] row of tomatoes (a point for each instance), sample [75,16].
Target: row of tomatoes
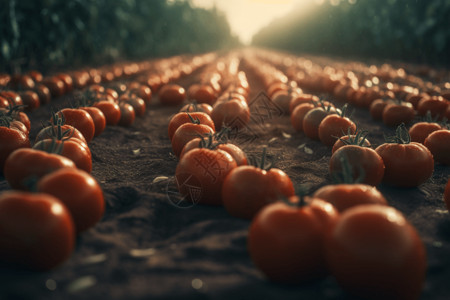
[55,197]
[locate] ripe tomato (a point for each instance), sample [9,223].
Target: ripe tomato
[79,119]
[51,131]
[75,150]
[377,106]
[447,194]
[298,114]
[138,104]
[344,196]
[171,94]
[300,99]
[15,114]
[98,117]
[55,85]
[286,242]
[25,165]
[365,164]
[111,110]
[396,113]
[10,140]
[187,132]
[13,98]
[247,189]
[30,99]
[334,126]
[358,139]
[181,118]
[36,230]
[419,131]
[232,113]
[438,142]
[127,114]
[197,107]
[313,118]
[436,105]
[375,253]
[79,192]
[200,175]
[407,164]
[142,91]
[204,94]
[283,99]
[43,93]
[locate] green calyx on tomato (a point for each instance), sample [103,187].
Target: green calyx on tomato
[401,136]
[194,121]
[358,138]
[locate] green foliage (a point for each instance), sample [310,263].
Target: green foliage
[408,30]
[51,34]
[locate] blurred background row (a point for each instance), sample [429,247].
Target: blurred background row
[54,34]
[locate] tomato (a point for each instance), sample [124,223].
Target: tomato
[231,113]
[375,253]
[447,194]
[21,82]
[365,164]
[396,113]
[30,99]
[247,189]
[334,126]
[421,130]
[67,81]
[438,142]
[436,105]
[55,85]
[275,87]
[286,242]
[181,118]
[35,75]
[171,94]
[298,114]
[407,164]
[16,115]
[137,103]
[111,111]
[187,132]
[141,91]
[359,139]
[36,230]
[197,107]
[43,93]
[52,132]
[312,120]
[127,114]
[204,94]
[4,103]
[377,106]
[98,117]
[200,175]
[283,98]
[79,192]
[344,196]
[25,165]
[75,150]
[79,119]
[10,140]
[13,98]
[300,99]
[414,98]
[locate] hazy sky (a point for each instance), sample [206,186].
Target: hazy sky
[247,17]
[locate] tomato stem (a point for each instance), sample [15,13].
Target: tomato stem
[401,136]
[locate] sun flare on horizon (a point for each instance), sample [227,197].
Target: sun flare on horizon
[247,17]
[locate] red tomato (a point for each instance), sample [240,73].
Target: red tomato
[35,75]
[79,192]
[200,175]
[13,98]
[404,160]
[25,164]
[67,80]
[334,126]
[10,140]
[447,194]
[171,94]
[438,142]
[344,196]
[232,113]
[181,118]
[127,114]
[421,130]
[302,98]
[44,94]
[111,111]
[283,99]
[75,150]
[51,131]
[286,242]
[141,91]
[79,119]
[376,108]
[36,230]
[247,189]
[98,117]
[396,113]
[298,114]
[204,94]
[55,85]
[358,139]
[365,165]
[137,103]
[436,105]
[4,103]
[15,114]
[187,132]
[30,99]
[375,253]
[312,120]
[21,82]
[197,107]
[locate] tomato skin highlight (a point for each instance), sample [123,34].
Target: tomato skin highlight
[36,230]
[79,192]
[374,253]
[406,165]
[208,168]
[287,243]
[28,164]
[247,189]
